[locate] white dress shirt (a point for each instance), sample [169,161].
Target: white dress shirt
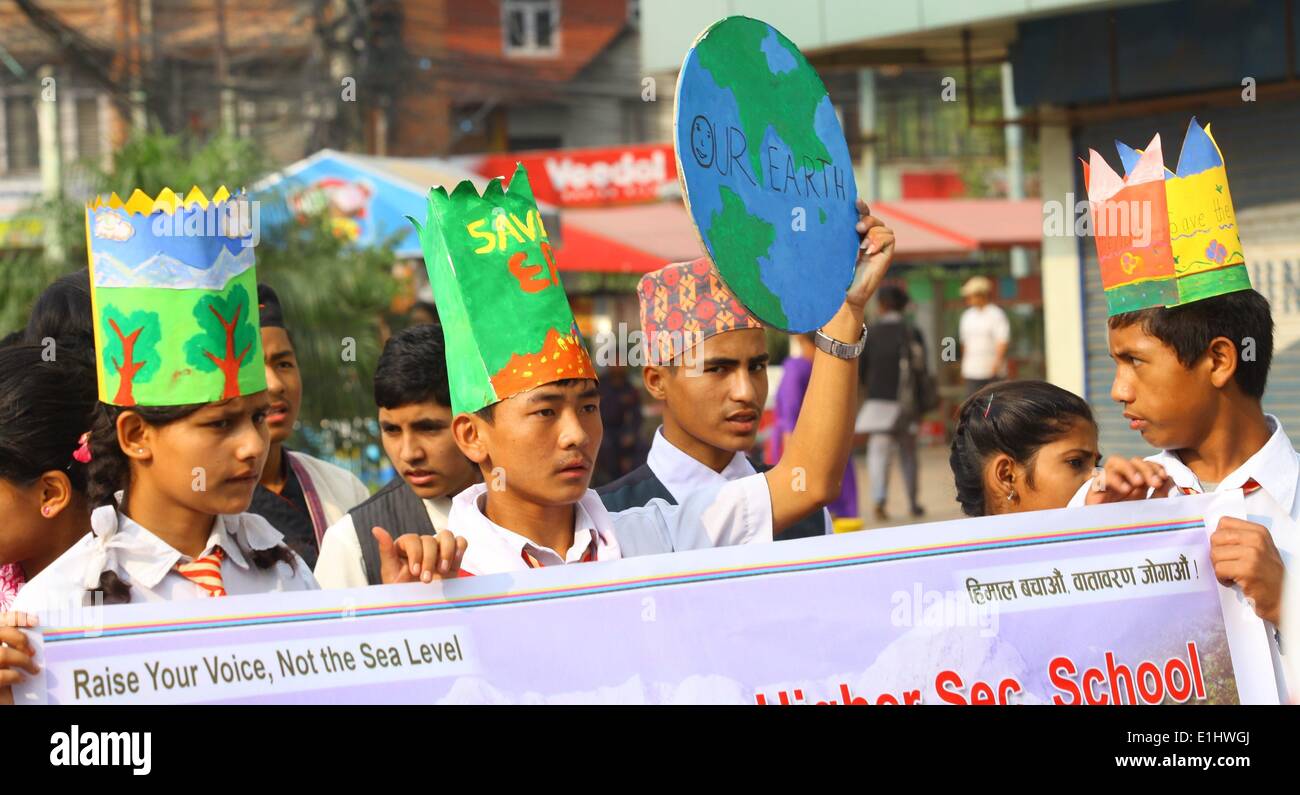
[340,564]
[682,474]
[338,489]
[721,514]
[148,564]
[982,330]
[1276,468]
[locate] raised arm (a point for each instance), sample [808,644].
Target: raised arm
[810,470]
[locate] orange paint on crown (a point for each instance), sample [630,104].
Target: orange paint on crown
[561,357]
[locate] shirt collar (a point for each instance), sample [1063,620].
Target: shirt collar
[492,548]
[146,558]
[438,509]
[681,474]
[1274,466]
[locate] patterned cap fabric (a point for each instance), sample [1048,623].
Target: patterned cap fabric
[685,303]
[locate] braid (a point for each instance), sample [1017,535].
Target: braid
[267,558]
[109,471]
[967,466]
[115,590]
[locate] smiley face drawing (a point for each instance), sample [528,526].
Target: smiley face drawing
[702,145]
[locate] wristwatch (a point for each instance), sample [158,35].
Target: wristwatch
[841,350]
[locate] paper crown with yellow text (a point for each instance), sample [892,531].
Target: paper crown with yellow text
[1165,238]
[505,317]
[174,293]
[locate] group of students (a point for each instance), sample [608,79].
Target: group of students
[116,502]
[101,502]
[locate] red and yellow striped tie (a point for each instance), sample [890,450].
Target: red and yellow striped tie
[1248,488]
[205,572]
[588,555]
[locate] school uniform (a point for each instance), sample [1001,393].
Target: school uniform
[717,514]
[1270,480]
[216,276]
[670,474]
[349,555]
[316,495]
[152,567]
[1140,275]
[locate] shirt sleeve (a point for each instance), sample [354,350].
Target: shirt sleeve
[303,579]
[359,492]
[735,512]
[52,596]
[1001,327]
[340,564]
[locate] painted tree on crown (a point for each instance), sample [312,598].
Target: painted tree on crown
[132,350]
[228,336]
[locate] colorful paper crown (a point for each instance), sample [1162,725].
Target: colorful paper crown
[505,317]
[685,303]
[173,286]
[1165,238]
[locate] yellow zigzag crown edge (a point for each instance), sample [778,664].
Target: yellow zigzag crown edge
[167,201]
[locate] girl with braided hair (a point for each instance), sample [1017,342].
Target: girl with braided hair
[1031,446]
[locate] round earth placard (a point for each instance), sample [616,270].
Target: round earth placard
[767,173]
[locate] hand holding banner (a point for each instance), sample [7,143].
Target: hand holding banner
[1093,605]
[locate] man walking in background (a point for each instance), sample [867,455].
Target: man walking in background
[985,333]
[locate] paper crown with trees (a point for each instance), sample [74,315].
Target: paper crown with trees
[174,295]
[1165,238]
[505,317]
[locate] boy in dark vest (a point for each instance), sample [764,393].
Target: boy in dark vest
[301,496]
[713,390]
[415,423]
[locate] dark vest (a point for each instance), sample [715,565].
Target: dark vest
[640,486]
[397,509]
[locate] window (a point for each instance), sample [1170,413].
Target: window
[88,147]
[23,140]
[531,27]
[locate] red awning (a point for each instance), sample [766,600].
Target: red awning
[641,238]
[926,228]
[632,239]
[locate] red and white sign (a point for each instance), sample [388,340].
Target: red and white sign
[590,177]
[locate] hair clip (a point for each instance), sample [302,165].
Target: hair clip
[82,454]
[989,406]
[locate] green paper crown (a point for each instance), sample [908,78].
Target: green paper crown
[174,295]
[505,316]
